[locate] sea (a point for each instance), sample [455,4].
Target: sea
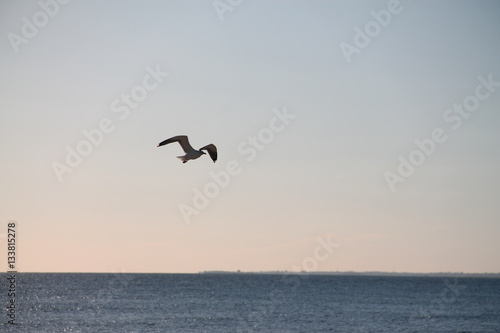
[248,302]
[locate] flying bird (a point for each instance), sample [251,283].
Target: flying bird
[191,153]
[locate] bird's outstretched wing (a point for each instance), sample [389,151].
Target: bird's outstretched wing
[212,151]
[183,141]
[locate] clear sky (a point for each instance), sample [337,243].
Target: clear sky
[352,135]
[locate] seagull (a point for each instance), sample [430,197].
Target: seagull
[191,153]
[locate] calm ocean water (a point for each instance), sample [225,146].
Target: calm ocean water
[251,303]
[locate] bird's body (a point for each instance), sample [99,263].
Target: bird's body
[191,153]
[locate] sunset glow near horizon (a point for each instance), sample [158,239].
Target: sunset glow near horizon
[352,136]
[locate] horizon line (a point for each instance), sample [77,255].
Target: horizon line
[285,272]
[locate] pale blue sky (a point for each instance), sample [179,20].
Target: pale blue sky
[321,176]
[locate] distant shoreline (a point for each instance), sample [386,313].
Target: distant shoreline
[374,273]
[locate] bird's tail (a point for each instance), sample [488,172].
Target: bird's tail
[182,158]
